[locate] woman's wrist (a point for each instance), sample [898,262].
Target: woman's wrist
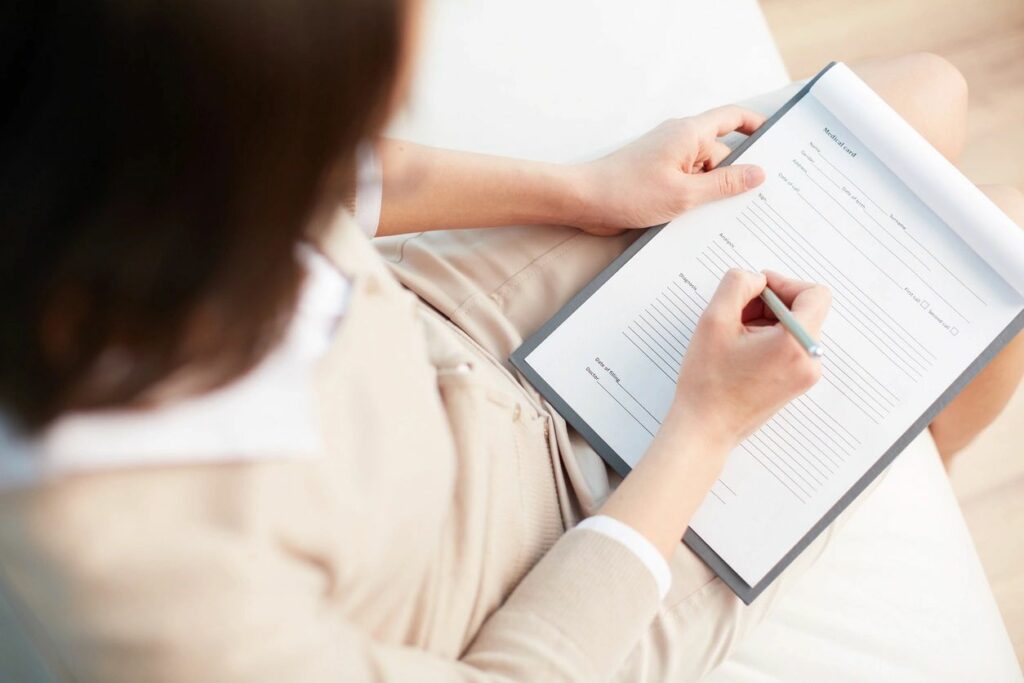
[572,196]
[703,429]
[688,448]
[666,487]
[586,202]
[563,195]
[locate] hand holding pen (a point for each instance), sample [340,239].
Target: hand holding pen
[758,352]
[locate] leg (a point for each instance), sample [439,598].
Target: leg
[984,398]
[932,95]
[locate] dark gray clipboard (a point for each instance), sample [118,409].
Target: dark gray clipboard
[744,591]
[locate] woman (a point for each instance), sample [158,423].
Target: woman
[238,449]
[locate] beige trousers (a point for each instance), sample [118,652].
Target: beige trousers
[500,286]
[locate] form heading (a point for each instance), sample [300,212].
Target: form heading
[835,139]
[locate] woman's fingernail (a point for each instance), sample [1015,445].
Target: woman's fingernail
[753,176]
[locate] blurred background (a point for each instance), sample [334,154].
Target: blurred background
[985,40]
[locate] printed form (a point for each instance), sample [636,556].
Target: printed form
[913,306]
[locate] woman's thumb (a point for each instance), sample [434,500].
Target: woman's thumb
[725,181]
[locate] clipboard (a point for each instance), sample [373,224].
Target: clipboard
[746,592]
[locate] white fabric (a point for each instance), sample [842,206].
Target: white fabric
[900,596]
[636,544]
[573,79]
[369,188]
[268,413]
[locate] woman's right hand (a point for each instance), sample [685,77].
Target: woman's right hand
[742,366]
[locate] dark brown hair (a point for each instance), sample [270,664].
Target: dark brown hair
[158,162]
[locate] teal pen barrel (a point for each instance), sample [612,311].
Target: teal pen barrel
[785,316]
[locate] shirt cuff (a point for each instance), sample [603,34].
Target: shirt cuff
[369,188]
[636,543]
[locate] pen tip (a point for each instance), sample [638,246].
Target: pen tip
[816,351]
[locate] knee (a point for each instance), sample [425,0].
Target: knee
[1009,199]
[939,94]
[943,83]
[929,92]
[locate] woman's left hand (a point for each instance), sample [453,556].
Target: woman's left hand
[669,170]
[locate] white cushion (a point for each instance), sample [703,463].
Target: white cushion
[900,595]
[568,79]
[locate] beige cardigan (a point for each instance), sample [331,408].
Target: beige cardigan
[427,543]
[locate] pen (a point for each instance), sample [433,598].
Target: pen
[785,316]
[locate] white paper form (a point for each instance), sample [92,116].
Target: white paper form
[913,307]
